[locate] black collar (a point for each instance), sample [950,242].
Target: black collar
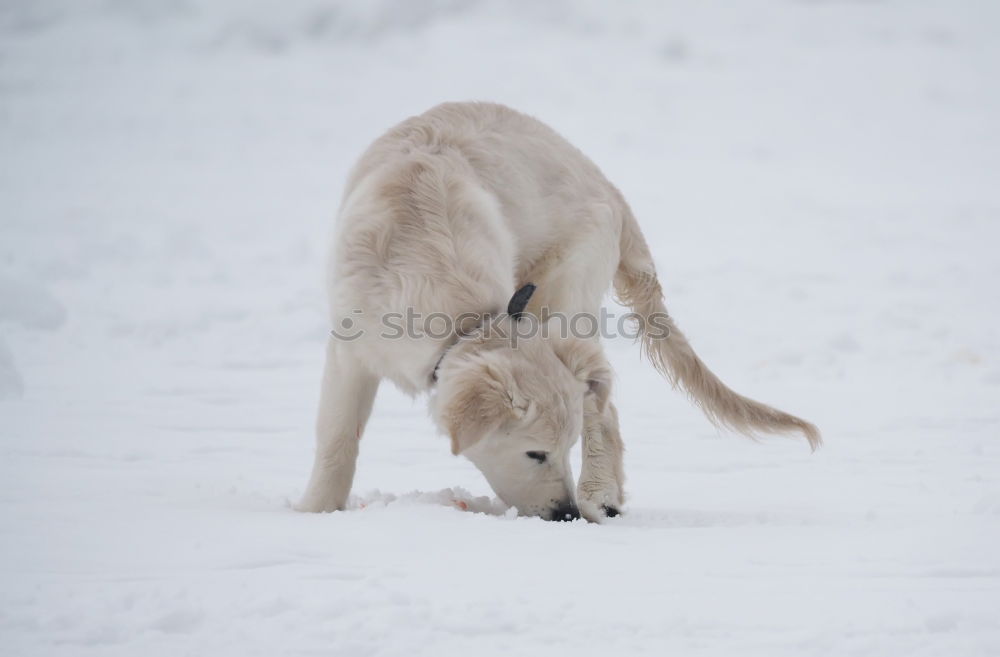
[437,365]
[515,308]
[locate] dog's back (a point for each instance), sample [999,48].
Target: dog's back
[450,210]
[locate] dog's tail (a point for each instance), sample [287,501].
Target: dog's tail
[637,287]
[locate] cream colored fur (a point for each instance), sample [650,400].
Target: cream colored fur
[450,212]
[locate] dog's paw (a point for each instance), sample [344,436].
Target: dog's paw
[309,506]
[599,508]
[610,511]
[318,502]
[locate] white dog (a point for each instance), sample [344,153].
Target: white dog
[445,217]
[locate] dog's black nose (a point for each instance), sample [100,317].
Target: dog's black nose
[565,511]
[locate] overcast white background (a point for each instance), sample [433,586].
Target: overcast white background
[818,183]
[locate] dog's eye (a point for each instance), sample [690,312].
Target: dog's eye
[538,456]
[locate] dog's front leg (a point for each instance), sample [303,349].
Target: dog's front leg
[346,397]
[600,491]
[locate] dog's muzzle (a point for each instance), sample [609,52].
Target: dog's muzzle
[565,511]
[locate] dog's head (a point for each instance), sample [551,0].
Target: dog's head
[515,408]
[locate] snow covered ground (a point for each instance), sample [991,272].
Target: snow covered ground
[818,181]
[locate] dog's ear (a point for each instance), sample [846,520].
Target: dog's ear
[477,398]
[585,359]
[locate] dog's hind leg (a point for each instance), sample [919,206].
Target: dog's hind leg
[600,491]
[346,397]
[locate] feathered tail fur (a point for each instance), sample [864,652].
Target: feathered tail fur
[637,287]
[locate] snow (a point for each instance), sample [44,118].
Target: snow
[818,181]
